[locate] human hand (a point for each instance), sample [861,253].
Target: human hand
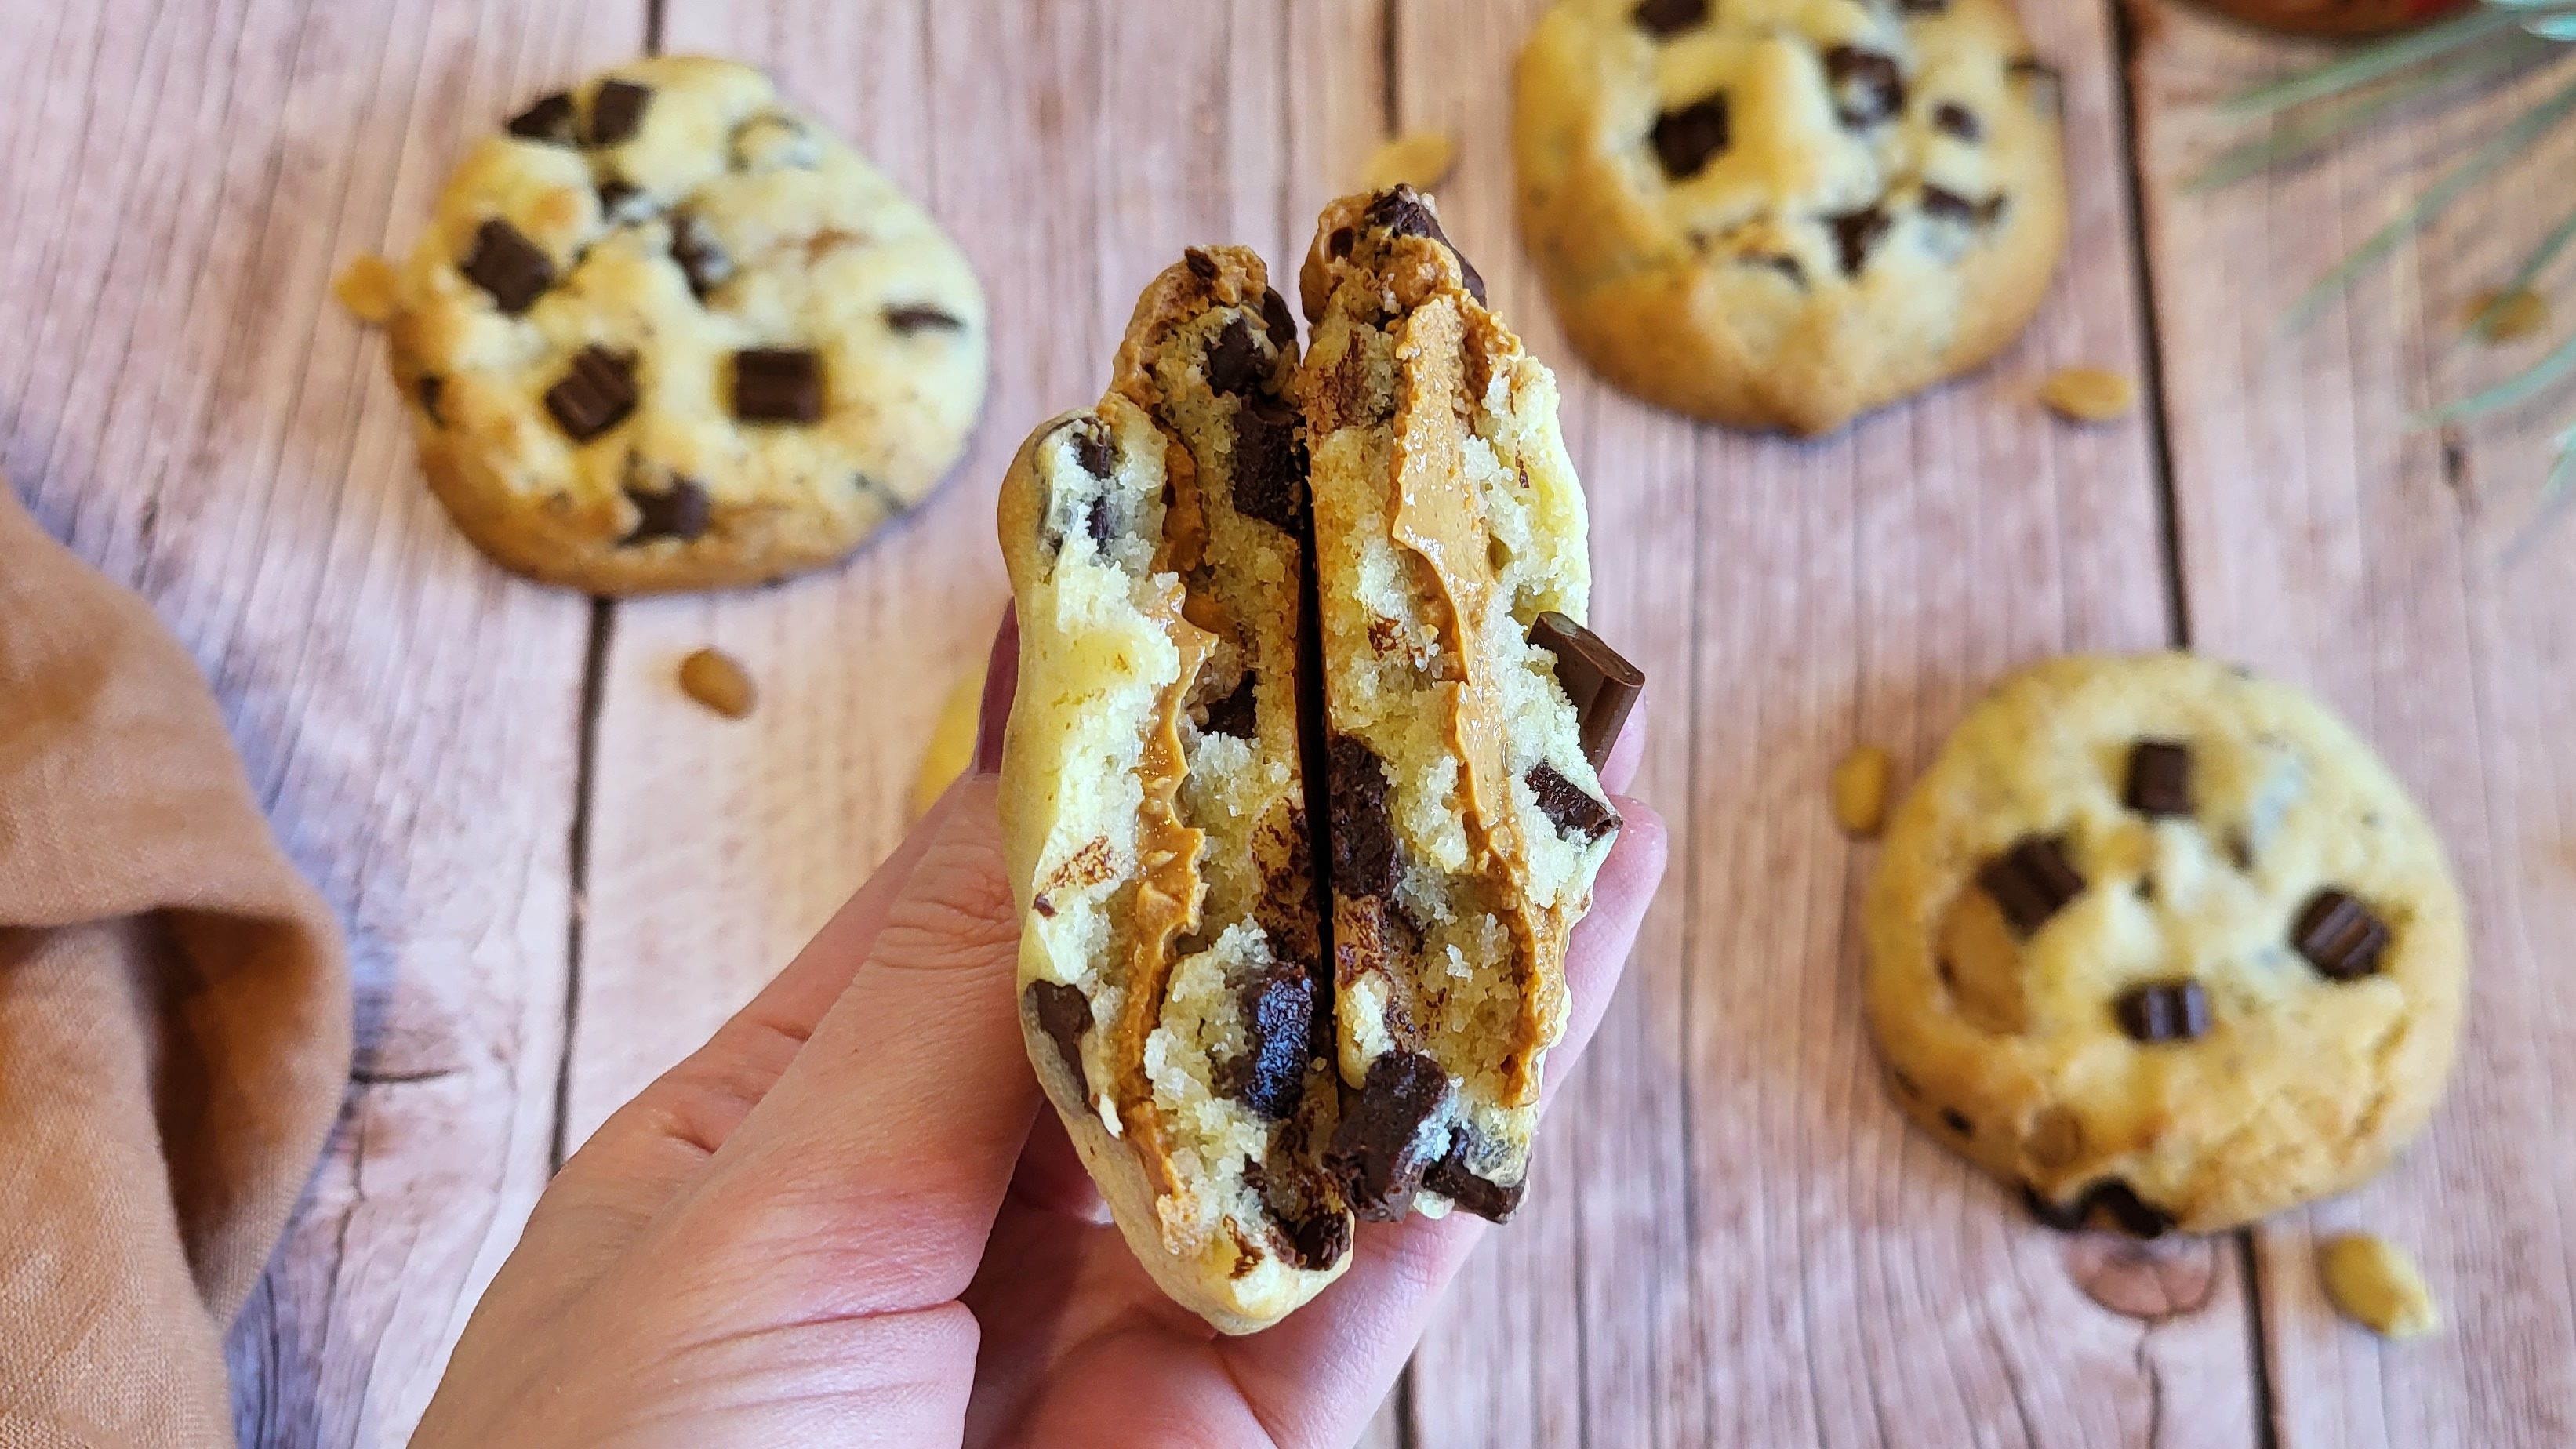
[845,1219]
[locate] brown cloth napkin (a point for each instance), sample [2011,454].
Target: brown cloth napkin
[174,1019]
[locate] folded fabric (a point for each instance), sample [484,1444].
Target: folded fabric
[174,1019]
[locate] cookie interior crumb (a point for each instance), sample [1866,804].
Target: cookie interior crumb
[718,681]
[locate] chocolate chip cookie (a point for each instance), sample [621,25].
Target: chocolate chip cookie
[2165,945]
[1783,213]
[666,332]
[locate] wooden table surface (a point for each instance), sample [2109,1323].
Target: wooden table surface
[558,874]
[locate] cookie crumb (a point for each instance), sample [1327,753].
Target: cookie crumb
[952,745]
[2376,1284]
[718,681]
[2499,316]
[2089,394]
[1860,791]
[1419,159]
[367,287]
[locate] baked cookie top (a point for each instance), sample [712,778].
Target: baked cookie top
[1833,202]
[665,331]
[2164,942]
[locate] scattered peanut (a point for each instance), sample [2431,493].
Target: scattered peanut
[366,287]
[2508,316]
[1420,159]
[2374,1283]
[2089,394]
[1860,791]
[952,740]
[717,680]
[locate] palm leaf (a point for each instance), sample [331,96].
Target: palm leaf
[2529,272]
[2514,391]
[2297,138]
[2383,59]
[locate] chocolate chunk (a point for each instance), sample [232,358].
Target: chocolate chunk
[1269,463]
[1991,210]
[595,395]
[549,120]
[1959,121]
[1867,86]
[2339,936]
[1565,803]
[1236,714]
[1786,266]
[2031,882]
[1277,320]
[1453,1179]
[621,202]
[2159,778]
[1944,204]
[701,257]
[1924,7]
[1364,844]
[1093,447]
[2064,1217]
[1669,17]
[1278,1017]
[1685,139]
[1202,265]
[2163,1011]
[509,266]
[1339,244]
[1096,522]
[1063,1015]
[2127,1211]
[1377,1151]
[1855,234]
[908,318]
[1402,212]
[1600,685]
[682,511]
[616,110]
[432,387]
[1957,1121]
[1233,362]
[1314,1243]
[777,385]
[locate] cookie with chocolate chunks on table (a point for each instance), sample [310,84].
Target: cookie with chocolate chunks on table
[1781,214]
[1467,817]
[664,331]
[1174,988]
[2164,945]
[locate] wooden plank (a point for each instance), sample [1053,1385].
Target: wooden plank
[184,403]
[1734,1238]
[2325,542]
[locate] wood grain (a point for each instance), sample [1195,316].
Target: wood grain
[2326,541]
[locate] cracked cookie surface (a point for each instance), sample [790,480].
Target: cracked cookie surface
[1783,213]
[2165,944]
[663,331]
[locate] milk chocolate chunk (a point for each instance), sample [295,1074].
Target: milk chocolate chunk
[908,318]
[595,395]
[1453,1179]
[1269,463]
[1278,1018]
[1685,139]
[1233,362]
[701,257]
[1565,803]
[682,511]
[1377,1152]
[1364,845]
[1064,1016]
[617,110]
[549,120]
[2163,1011]
[2339,936]
[2159,778]
[1856,234]
[777,385]
[2031,882]
[1867,86]
[1600,685]
[508,266]
[1669,17]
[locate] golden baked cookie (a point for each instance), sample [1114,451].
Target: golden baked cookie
[2165,944]
[666,332]
[1783,213]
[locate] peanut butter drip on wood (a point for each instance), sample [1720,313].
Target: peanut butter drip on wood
[1437,516]
[1166,902]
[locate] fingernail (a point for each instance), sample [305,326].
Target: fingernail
[1001,681]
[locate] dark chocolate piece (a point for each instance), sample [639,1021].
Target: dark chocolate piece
[1339,244]
[2339,936]
[1669,17]
[1787,266]
[2159,778]
[1856,233]
[1991,210]
[1096,522]
[1064,1016]
[1269,463]
[1602,686]
[2163,1011]
[616,110]
[1867,86]
[701,257]
[1565,803]
[908,318]
[1233,362]
[1278,1016]
[1924,7]
[1314,1243]
[1377,1151]
[1364,844]
[682,511]
[1946,205]
[1957,1121]
[2031,882]
[1684,140]
[1959,121]
[1093,448]
[1453,1179]
[1202,265]
[595,395]
[777,385]
[549,120]
[1277,320]
[2128,1212]
[1236,714]
[509,266]
[1402,212]
[2064,1217]
[431,388]
[618,202]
